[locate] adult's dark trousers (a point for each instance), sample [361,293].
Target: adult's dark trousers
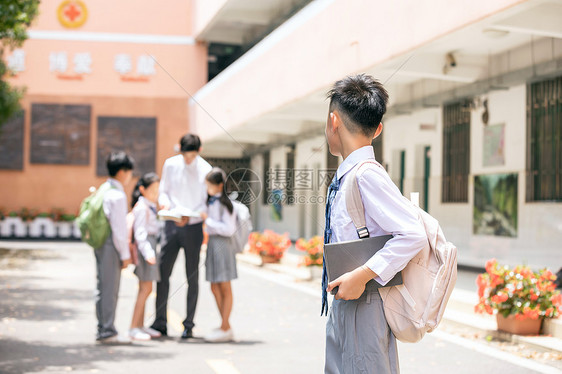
[190,238]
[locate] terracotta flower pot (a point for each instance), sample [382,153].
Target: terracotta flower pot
[517,326]
[269,259]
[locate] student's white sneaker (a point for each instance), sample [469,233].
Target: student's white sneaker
[138,334]
[219,336]
[115,340]
[150,331]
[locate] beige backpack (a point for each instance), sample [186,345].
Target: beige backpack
[416,306]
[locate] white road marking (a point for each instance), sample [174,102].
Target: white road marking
[280,279]
[222,367]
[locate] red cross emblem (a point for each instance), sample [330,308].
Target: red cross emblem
[72,13]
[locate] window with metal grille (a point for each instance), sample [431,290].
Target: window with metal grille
[544,139]
[290,174]
[456,152]
[266,177]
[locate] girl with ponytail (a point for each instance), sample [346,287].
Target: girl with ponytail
[220,221]
[145,231]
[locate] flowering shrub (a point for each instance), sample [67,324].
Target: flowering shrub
[269,243]
[314,249]
[518,291]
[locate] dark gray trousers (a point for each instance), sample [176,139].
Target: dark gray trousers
[108,267]
[358,338]
[190,238]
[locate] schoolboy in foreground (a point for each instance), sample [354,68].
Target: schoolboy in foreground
[358,339]
[114,255]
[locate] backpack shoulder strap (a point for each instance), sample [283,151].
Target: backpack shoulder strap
[353,201]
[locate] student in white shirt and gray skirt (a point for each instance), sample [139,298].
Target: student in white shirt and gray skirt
[220,262]
[145,232]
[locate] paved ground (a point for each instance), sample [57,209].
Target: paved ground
[47,324]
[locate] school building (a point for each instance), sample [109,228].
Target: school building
[474,122]
[100,75]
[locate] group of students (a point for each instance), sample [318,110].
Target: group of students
[187,181]
[358,337]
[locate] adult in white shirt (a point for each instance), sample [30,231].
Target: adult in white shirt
[182,185]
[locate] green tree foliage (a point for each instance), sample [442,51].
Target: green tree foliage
[15,18]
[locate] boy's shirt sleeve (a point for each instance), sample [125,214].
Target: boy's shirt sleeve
[385,205]
[115,209]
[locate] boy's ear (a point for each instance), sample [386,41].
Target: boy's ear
[335,120]
[378,130]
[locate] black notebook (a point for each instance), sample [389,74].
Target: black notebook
[346,256]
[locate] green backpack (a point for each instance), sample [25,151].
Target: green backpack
[94,226]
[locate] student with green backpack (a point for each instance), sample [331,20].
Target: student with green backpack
[103,225]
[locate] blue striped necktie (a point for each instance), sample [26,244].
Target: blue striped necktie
[332,190]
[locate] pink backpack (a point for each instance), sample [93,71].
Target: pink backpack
[416,306]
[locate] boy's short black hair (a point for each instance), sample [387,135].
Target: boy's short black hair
[119,161]
[361,100]
[190,142]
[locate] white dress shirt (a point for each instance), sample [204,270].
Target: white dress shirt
[115,209]
[386,212]
[220,221]
[145,224]
[184,185]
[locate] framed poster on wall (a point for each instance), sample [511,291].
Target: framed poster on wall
[11,143]
[134,135]
[494,145]
[495,205]
[60,134]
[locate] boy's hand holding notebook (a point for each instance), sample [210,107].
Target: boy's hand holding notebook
[177,214]
[344,257]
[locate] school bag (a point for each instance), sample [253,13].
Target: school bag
[243,225]
[133,247]
[93,224]
[416,306]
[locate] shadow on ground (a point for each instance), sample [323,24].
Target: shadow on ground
[19,259]
[19,356]
[24,302]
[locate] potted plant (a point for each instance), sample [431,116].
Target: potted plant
[42,225]
[520,298]
[76,228]
[269,245]
[13,225]
[314,251]
[2,216]
[65,225]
